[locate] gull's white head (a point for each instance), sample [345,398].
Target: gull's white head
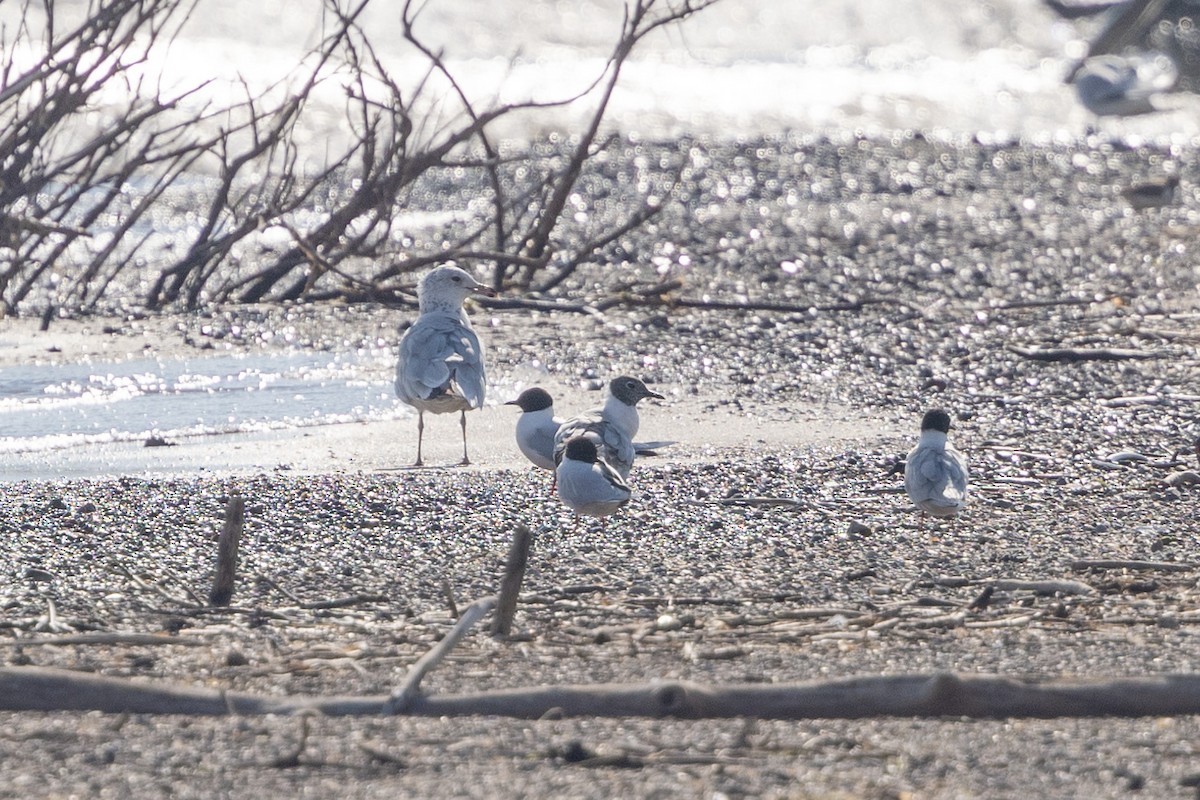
[445,288]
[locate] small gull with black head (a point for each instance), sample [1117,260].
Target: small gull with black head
[536,426]
[613,425]
[935,474]
[586,484]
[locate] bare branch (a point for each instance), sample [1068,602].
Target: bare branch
[65,180]
[932,695]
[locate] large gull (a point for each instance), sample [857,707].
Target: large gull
[441,362]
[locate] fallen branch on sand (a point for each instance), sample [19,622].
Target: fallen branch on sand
[32,688]
[1083,564]
[931,695]
[1047,587]
[1072,354]
[113,638]
[404,697]
[661,299]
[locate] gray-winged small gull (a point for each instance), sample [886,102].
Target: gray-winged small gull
[586,484]
[614,424]
[441,366]
[537,425]
[1124,86]
[935,474]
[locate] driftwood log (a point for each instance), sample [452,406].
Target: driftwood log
[1082,564]
[928,695]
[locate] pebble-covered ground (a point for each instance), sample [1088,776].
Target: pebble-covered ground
[904,274]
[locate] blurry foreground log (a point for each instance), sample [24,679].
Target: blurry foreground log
[932,695]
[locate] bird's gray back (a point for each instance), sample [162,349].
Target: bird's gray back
[440,354]
[939,475]
[613,446]
[595,489]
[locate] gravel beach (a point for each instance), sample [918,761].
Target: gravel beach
[771,543]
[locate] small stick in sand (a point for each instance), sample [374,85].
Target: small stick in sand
[292,757]
[49,620]
[227,548]
[448,593]
[510,586]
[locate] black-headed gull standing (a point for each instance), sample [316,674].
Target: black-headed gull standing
[935,474]
[536,426]
[613,425]
[586,484]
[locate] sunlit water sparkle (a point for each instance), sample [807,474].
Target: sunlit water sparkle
[742,68]
[53,406]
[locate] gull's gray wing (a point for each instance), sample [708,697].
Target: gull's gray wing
[614,479]
[921,474]
[936,475]
[440,354]
[956,475]
[542,441]
[619,448]
[586,423]
[651,448]
[614,447]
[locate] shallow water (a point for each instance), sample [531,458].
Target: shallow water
[742,67]
[54,406]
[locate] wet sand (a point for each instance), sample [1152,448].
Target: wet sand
[689,421]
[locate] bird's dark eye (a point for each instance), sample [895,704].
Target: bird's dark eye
[456,279]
